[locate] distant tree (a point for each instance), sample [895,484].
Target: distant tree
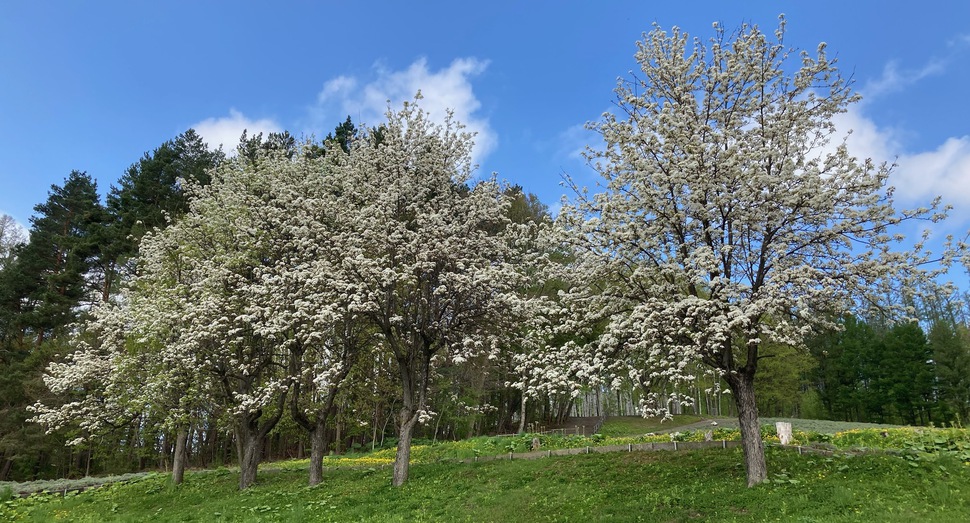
[904,373]
[52,268]
[343,135]
[950,344]
[45,286]
[254,147]
[525,207]
[725,222]
[783,378]
[12,235]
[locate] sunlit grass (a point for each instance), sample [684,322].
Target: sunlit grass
[640,486]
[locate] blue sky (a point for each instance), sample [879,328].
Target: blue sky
[94,85]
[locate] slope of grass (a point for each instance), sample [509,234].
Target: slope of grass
[648,486]
[634,425]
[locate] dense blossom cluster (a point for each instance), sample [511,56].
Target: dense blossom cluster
[288,268]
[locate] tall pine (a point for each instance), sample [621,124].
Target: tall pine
[150,194]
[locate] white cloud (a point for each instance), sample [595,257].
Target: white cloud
[339,87]
[944,171]
[865,139]
[226,130]
[447,88]
[919,176]
[922,175]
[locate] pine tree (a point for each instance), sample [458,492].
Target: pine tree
[53,267]
[151,193]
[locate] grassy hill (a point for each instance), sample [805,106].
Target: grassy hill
[631,425]
[641,486]
[924,476]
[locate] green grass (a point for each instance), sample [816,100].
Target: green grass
[640,486]
[926,477]
[813,425]
[635,425]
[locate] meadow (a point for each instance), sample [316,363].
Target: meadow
[857,474]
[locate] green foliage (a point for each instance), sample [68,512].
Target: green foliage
[920,441]
[525,207]
[150,193]
[342,135]
[49,279]
[885,376]
[950,344]
[46,286]
[782,379]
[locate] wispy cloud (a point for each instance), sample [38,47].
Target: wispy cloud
[367,100]
[572,142]
[895,79]
[960,40]
[226,130]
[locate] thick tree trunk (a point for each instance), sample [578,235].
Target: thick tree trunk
[181,454]
[318,447]
[250,449]
[742,388]
[522,412]
[402,462]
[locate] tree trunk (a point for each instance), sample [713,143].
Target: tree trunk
[742,388]
[318,447]
[522,412]
[250,448]
[402,462]
[5,469]
[181,453]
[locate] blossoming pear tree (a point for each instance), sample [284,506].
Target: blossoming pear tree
[237,303]
[730,214]
[328,314]
[431,251]
[116,377]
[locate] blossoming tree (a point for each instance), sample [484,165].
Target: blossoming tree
[728,218]
[431,252]
[238,303]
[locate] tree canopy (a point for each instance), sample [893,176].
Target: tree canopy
[731,214]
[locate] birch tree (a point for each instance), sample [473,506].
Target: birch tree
[730,213]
